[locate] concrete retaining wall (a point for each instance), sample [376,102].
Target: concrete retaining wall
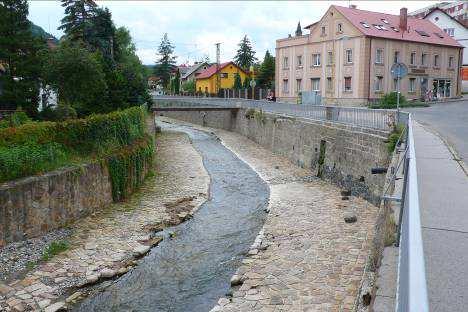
[32,206]
[350,152]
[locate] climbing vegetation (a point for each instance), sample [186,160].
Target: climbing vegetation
[118,139]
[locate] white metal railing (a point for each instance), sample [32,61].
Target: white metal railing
[411,285]
[382,119]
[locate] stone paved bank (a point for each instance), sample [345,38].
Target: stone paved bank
[106,244]
[306,257]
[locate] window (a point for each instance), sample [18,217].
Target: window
[315,84]
[323,31]
[412,85]
[285,86]
[365,25]
[378,83]
[285,62]
[396,57]
[379,56]
[349,56]
[439,35]
[329,84]
[423,59]
[340,27]
[436,60]
[298,85]
[223,75]
[299,61]
[316,59]
[330,58]
[347,84]
[450,61]
[380,27]
[422,33]
[450,31]
[394,29]
[384,20]
[413,58]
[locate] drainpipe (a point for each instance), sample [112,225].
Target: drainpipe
[369,70]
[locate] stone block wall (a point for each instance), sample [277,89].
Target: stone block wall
[350,151]
[32,206]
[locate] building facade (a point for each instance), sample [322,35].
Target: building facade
[456,9]
[458,31]
[348,55]
[205,82]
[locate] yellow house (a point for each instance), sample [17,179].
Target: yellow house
[206,81]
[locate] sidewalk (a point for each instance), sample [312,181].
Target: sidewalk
[443,194]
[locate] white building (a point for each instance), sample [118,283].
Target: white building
[455,29]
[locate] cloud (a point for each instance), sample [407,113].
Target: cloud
[194,27]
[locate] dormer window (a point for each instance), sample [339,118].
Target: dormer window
[365,25]
[422,33]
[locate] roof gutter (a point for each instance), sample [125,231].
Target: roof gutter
[369,69]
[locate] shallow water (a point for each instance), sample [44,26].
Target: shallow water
[190,271]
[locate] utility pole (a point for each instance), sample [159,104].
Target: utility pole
[218,78]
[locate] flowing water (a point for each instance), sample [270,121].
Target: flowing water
[190,271]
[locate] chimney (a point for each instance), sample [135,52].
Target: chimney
[353,6]
[403,19]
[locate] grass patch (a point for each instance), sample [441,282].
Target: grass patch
[54,249]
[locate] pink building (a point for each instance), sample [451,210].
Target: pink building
[348,54]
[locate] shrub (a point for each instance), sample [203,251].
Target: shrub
[24,160]
[36,147]
[393,138]
[16,119]
[54,248]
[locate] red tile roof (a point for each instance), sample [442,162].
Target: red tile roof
[210,71]
[356,17]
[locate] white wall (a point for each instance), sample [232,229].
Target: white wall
[460,34]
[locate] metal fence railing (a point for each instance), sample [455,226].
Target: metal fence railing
[411,285]
[382,119]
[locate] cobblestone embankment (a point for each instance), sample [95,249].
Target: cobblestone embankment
[107,244]
[306,258]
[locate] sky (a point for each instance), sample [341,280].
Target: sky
[195,27]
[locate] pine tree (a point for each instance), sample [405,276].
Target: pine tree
[298,29]
[266,74]
[19,53]
[78,15]
[100,33]
[166,61]
[245,56]
[237,82]
[177,82]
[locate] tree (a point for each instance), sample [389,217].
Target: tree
[266,73]
[245,54]
[78,15]
[100,33]
[177,82]
[237,82]
[246,84]
[20,54]
[189,86]
[77,76]
[166,61]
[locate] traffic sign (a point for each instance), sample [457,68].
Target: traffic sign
[399,70]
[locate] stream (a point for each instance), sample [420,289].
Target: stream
[191,270]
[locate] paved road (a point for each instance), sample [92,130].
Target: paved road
[450,120]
